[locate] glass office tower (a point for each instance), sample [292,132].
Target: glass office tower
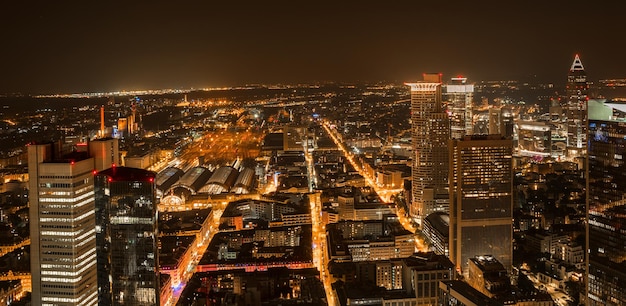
[459,96]
[607,204]
[126,237]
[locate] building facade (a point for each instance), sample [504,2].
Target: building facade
[576,108]
[62,220]
[126,232]
[389,274]
[425,271]
[481,202]
[436,228]
[534,138]
[430,135]
[607,203]
[488,275]
[459,96]
[459,293]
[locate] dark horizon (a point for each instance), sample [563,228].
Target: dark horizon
[61,47]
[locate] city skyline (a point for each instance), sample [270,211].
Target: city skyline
[78,47]
[313,180]
[323,153]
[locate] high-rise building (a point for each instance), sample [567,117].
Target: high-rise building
[495,120]
[481,202]
[62,220]
[507,121]
[430,135]
[126,234]
[607,204]
[105,152]
[459,96]
[576,108]
[500,121]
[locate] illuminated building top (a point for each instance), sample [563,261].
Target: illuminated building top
[423,86]
[577,65]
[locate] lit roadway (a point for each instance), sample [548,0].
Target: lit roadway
[199,249]
[383,193]
[217,147]
[320,252]
[561,298]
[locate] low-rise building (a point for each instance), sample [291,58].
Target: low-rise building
[571,253]
[488,275]
[175,255]
[459,293]
[544,242]
[10,291]
[368,240]
[426,270]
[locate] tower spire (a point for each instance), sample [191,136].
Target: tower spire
[577,64]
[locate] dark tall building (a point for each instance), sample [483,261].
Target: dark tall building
[481,201]
[576,108]
[607,204]
[126,237]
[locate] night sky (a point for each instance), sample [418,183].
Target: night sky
[72,46]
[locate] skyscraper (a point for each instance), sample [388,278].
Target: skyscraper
[459,96]
[430,135]
[607,204]
[62,221]
[481,202]
[576,108]
[126,234]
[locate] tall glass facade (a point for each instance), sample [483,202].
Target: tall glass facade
[459,96]
[607,204]
[126,236]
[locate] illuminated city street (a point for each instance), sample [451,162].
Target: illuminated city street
[385,194]
[320,252]
[198,249]
[558,295]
